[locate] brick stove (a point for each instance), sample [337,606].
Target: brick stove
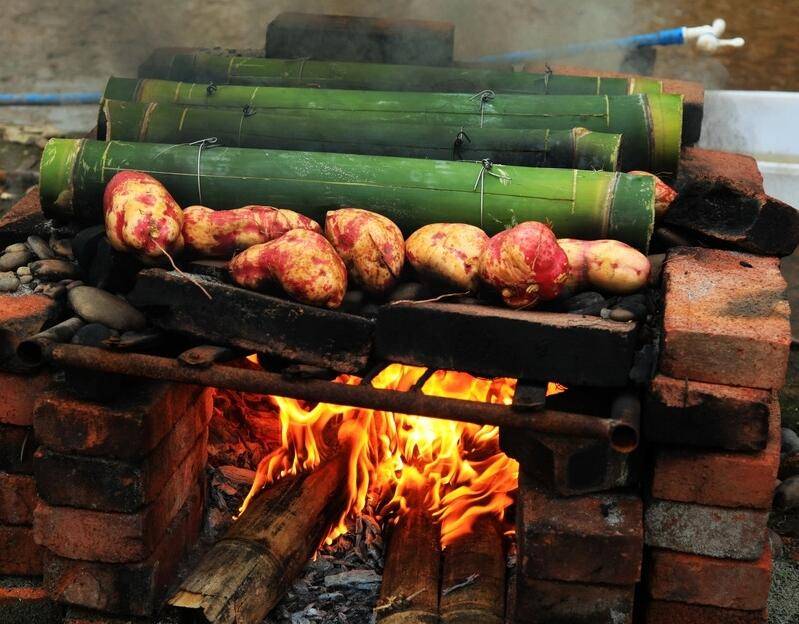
[102,500]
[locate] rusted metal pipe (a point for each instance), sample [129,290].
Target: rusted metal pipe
[30,349]
[264,382]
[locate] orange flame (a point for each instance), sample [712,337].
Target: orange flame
[456,469]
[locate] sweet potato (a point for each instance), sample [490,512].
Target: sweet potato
[607,265]
[141,216]
[525,265]
[301,262]
[664,194]
[447,254]
[370,245]
[221,233]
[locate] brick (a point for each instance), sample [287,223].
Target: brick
[115,537]
[596,538]
[726,319]
[22,601]
[136,588]
[23,219]
[120,485]
[19,396]
[17,445]
[22,316]
[664,612]
[720,478]
[19,553]
[17,499]
[722,583]
[554,602]
[693,413]
[705,530]
[126,429]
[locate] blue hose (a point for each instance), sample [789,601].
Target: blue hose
[49,99]
[671,36]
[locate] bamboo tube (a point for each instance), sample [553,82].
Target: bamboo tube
[577,148]
[478,555]
[244,575]
[409,592]
[169,64]
[411,192]
[651,125]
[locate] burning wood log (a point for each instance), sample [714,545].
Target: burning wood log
[165,123]
[411,192]
[246,573]
[409,593]
[199,66]
[473,576]
[651,124]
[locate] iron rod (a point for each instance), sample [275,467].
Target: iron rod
[263,382]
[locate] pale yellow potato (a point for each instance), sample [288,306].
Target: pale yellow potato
[607,265]
[447,254]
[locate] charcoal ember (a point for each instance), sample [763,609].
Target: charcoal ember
[411,291]
[54,270]
[15,259]
[9,282]
[40,248]
[84,245]
[590,303]
[62,247]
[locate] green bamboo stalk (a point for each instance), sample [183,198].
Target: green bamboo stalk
[650,125]
[577,148]
[198,66]
[411,192]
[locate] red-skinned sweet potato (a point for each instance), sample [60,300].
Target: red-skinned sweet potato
[525,265]
[371,246]
[141,217]
[301,262]
[608,265]
[447,254]
[221,233]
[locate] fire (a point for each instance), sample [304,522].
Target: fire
[456,469]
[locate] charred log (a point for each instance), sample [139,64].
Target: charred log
[245,574]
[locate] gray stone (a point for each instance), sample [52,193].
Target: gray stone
[8,282]
[54,270]
[98,306]
[40,248]
[16,247]
[731,533]
[26,279]
[62,247]
[24,270]
[12,261]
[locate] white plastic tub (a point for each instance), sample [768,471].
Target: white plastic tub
[763,124]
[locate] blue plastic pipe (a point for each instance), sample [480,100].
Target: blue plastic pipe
[49,99]
[671,36]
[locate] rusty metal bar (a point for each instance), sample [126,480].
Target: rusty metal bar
[258,381]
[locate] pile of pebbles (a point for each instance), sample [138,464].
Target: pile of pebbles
[38,266]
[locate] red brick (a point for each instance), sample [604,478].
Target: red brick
[17,499]
[136,588]
[596,538]
[22,316]
[26,603]
[726,318]
[115,537]
[19,554]
[128,428]
[720,478]
[693,413]
[20,393]
[555,602]
[705,530]
[120,485]
[17,445]
[23,219]
[664,612]
[725,583]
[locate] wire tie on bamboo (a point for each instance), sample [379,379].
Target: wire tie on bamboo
[485,95]
[302,60]
[547,73]
[248,110]
[210,89]
[201,144]
[458,143]
[487,167]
